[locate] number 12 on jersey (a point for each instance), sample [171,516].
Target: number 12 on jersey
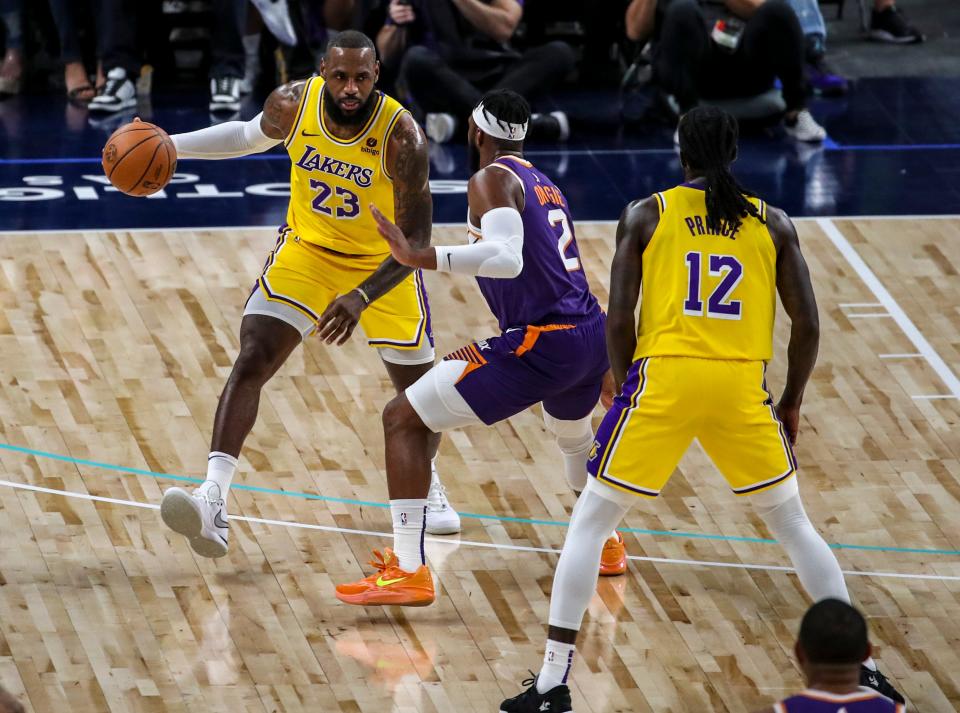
[719,303]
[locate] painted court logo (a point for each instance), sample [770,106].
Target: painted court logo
[594,449]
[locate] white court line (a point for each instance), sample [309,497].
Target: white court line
[900,356]
[273,228]
[470,543]
[860,304]
[886,299]
[869,315]
[933,397]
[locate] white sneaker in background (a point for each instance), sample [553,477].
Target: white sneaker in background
[805,128]
[199,518]
[118,93]
[225,94]
[440,127]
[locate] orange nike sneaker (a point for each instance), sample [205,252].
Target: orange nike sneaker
[390,585]
[613,559]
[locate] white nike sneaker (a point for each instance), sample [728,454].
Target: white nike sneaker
[440,127]
[441,518]
[805,128]
[201,519]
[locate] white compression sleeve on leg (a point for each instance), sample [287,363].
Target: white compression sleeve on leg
[575,439]
[498,254]
[813,559]
[227,140]
[598,511]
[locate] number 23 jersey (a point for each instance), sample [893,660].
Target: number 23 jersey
[333,181]
[707,292]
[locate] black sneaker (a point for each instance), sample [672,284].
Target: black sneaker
[879,683]
[556,700]
[890,25]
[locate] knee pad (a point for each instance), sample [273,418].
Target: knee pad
[574,438]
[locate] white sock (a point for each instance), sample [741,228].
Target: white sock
[813,559]
[434,476]
[220,470]
[408,529]
[613,535]
[557,662]
[870,664]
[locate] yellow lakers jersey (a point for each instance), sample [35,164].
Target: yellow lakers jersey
[706,294]
[333,181]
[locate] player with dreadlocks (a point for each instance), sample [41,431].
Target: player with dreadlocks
[709,260]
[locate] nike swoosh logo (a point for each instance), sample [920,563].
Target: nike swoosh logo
[305,133]
[219,521]
[381,582]
[449,264]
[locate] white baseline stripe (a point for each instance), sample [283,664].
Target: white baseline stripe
[900,356]
[860,304]
[273,227]
[468,543]
[869,315]
[899,316]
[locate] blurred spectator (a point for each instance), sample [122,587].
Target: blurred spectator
[831,649]
[730,50]
[454,50]
[888,24]
[122,59]
[9,704]
[821,78]
[227,54]
[69,15]
[11,70]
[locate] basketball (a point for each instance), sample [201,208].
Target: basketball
[139,158]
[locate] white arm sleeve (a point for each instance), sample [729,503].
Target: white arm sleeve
[499,254]
[227,140]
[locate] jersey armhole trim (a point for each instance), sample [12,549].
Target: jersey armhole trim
[513,173]
[303,105]
[386,139]
[661,202]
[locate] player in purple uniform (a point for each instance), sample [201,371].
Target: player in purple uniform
[831,649]
[551,349]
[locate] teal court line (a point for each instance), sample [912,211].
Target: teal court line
[474,516]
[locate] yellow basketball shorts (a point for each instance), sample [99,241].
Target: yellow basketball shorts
[300,280]
[666,402]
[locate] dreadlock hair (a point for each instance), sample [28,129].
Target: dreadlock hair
[506,107]
[351,40]
[708,145]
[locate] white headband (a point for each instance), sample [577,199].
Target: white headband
[499,129]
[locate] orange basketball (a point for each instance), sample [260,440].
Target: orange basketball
[139,158]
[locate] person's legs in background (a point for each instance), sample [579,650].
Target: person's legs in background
[441,92]
[773,46]
[227,54]
[681,51]
[121,59]
[821,79]
[539,70]
[77,82]
[11,70]
[888,24]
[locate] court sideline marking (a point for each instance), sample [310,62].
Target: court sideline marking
[873,283]
[472,543]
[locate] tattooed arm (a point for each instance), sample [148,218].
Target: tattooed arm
[241,138]
[408,163]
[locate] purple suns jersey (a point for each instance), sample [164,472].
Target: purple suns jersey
[863,701]
[552,286]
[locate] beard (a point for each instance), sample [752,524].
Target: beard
[356,118]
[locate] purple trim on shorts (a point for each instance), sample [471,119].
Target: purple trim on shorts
[767,484]
[425,323]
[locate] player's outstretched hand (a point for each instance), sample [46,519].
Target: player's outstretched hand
[400,247]
[608,391]
[790,416]
[340,318]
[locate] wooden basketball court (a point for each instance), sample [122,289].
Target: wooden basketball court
[115,346]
